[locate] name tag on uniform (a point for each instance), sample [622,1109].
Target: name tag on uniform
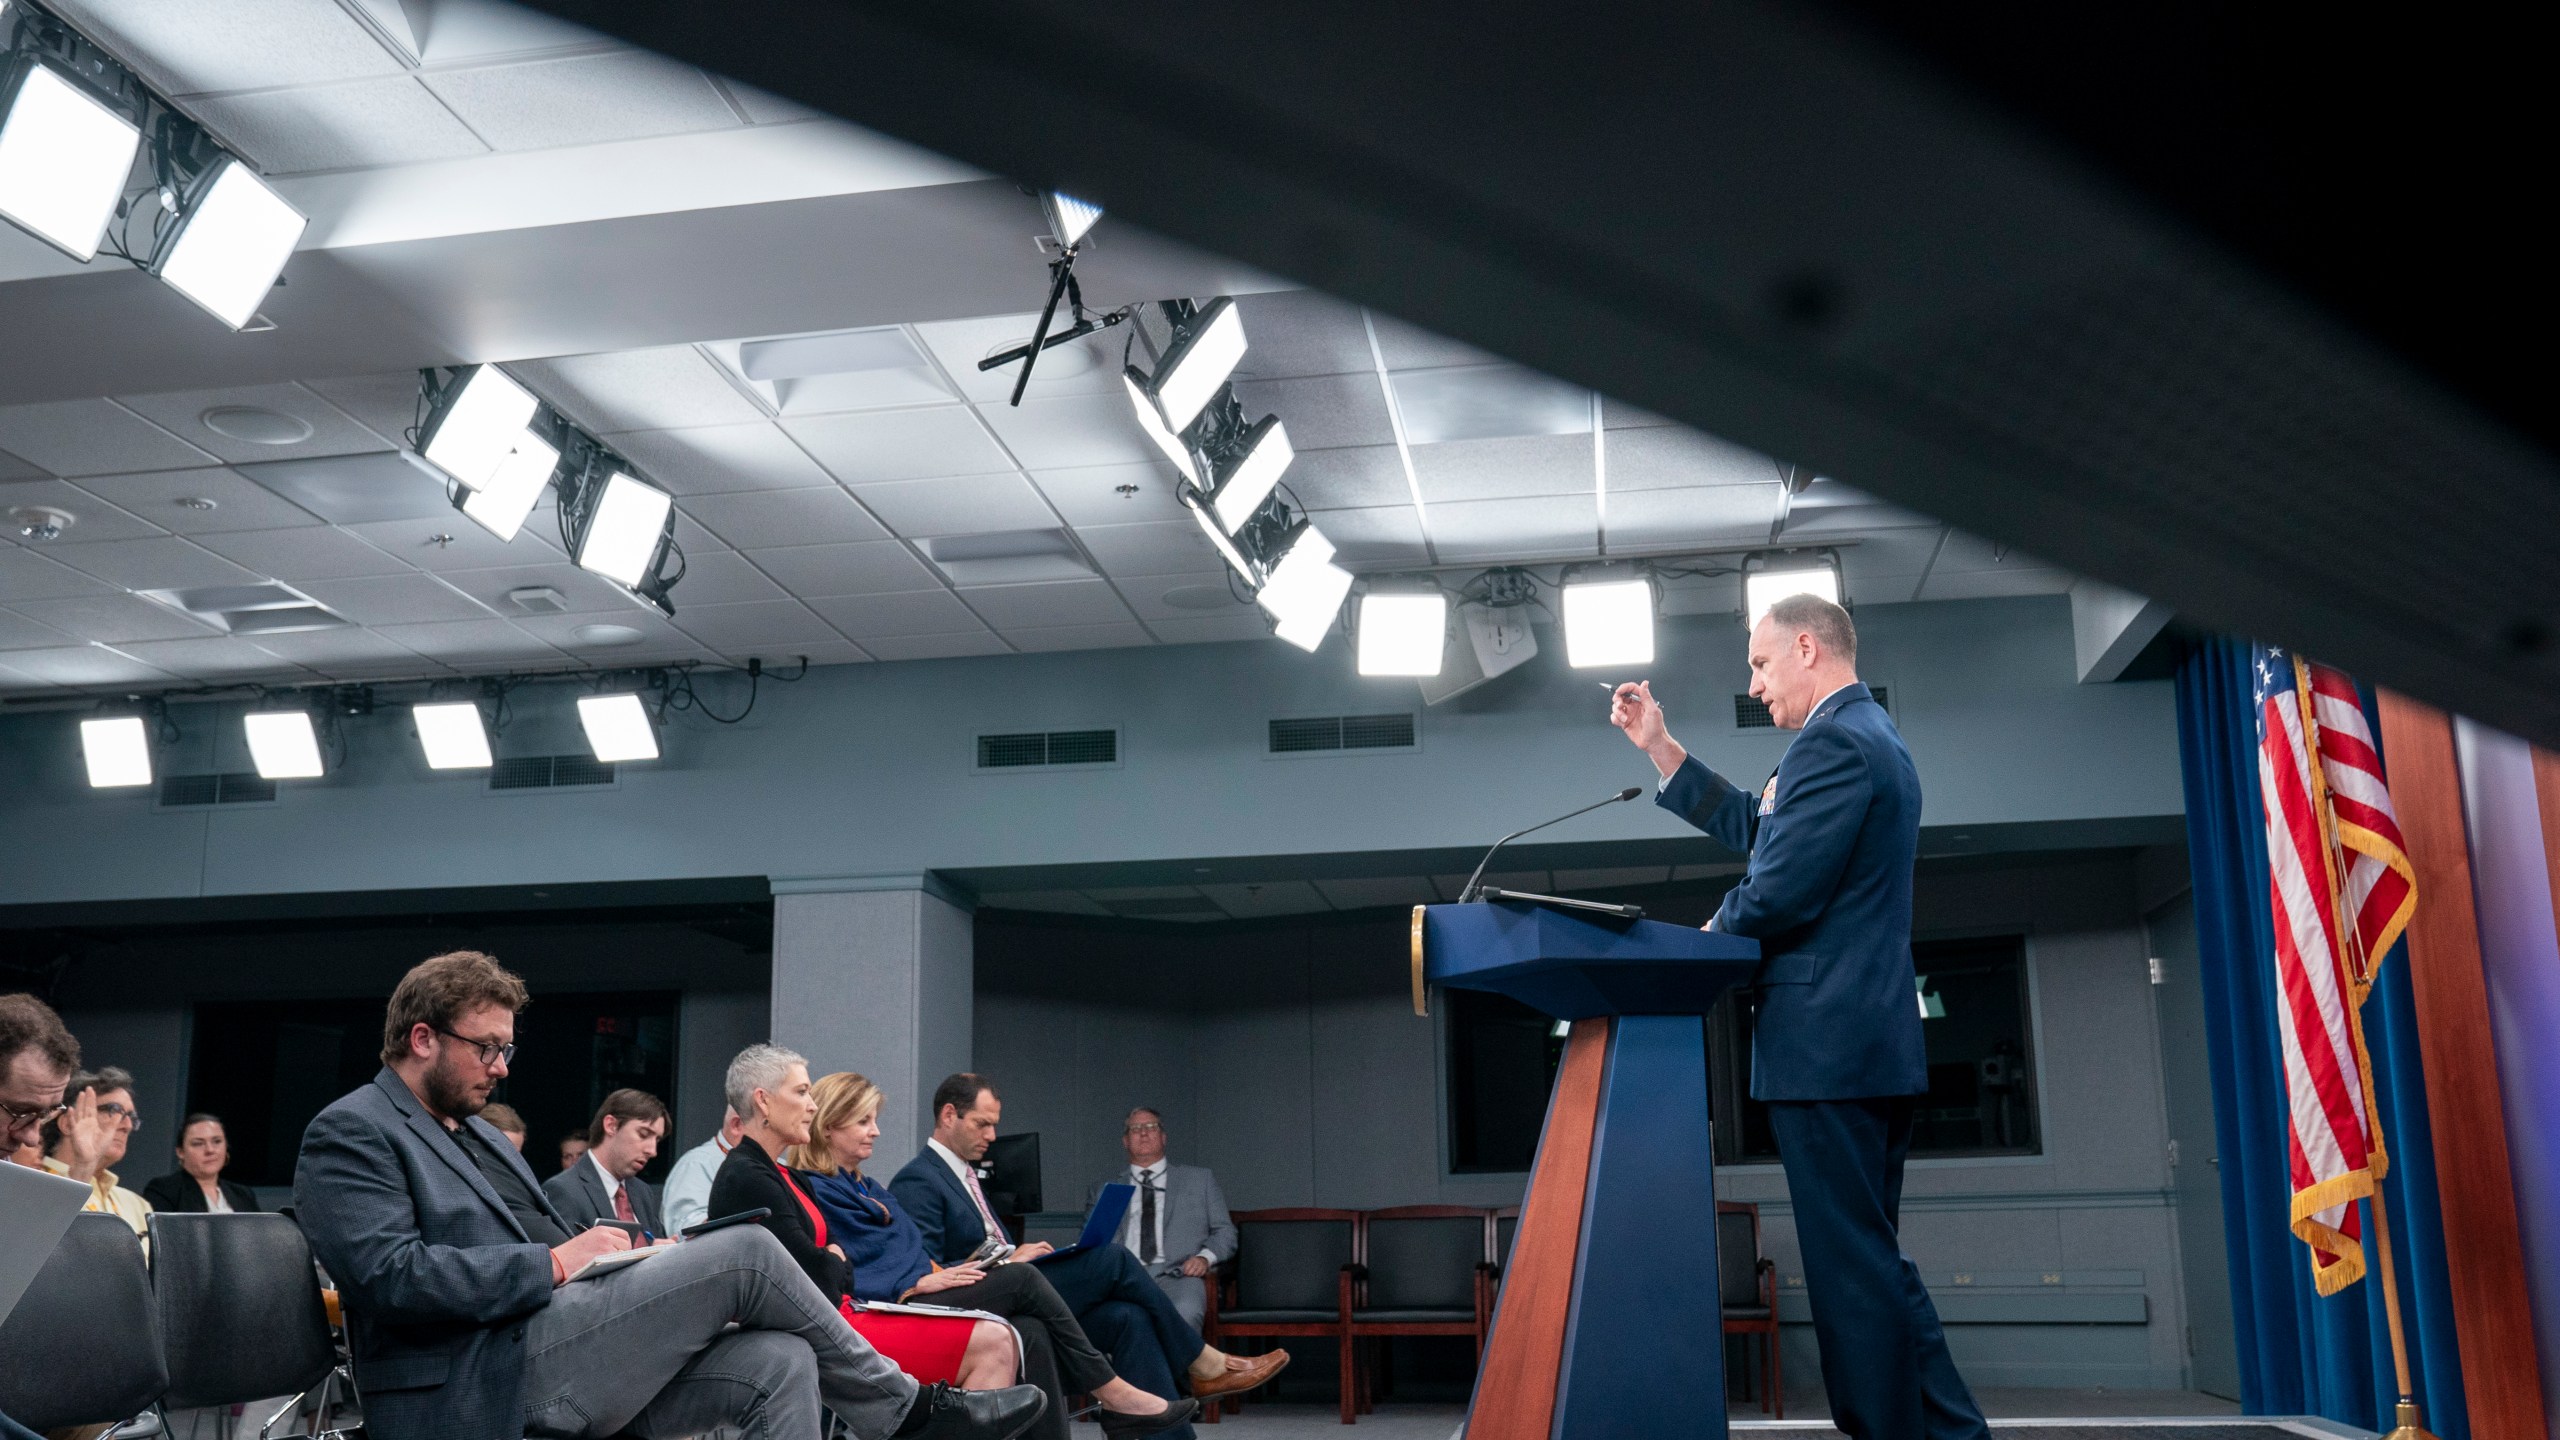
[1769,797]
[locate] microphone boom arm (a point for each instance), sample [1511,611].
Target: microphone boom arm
[1473,889]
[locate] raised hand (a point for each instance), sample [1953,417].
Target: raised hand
[85,1132]
[1634,710]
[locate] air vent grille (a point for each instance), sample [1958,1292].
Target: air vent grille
[1342,732]
[1750,714]
[244,787]
[548,772]
[1048,747]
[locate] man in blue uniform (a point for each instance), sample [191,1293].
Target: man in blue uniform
[1837,1054]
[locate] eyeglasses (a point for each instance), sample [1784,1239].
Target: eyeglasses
[129,1117]
[1147,1127]
[491,1051]
[18,1119]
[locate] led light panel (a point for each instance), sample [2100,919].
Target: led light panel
[63,159]
[1225,547]
[478,426]
[622,536]
[1305,591]
[1249,480]
[1403,634]
[452,736]
[1608,623]
[1195,368]
[618,728]
[118,751]
[1069,217]
[1764,588]
[231,244]
[283,744]
[1153,424]
[515,488]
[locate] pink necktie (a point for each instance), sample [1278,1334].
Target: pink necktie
[969,1178]
[622,1204]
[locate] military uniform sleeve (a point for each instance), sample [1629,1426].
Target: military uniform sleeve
[1805,840]
[1711,803]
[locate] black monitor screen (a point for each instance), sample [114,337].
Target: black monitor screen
[1013,1173]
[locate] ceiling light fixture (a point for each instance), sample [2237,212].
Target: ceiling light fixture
[283,744]
[1306,589]
[452,735]
[1207,346]
[474,422]
[1069,218]
[1251,471]
[627,530]
[1608,622]
[1403,634]
[118,751]
[618,728]
[64,155]
[230,243]
[513,489]
[1768,579]
[1151,424]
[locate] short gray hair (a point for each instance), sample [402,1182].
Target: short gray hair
[758,1067]
[1137,1110]
[1826,622]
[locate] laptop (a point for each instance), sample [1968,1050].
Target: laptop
[1102,1227]
[35,1209]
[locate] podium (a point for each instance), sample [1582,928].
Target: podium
[1609,1323]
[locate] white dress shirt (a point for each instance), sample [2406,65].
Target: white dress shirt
[612,1185]
[967,1175]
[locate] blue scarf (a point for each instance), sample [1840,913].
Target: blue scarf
[884,1247]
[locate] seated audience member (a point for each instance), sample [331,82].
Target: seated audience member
[463,1320]
[196,1187]
[1178,1225]
[607,1185]
[573,1148]
[1122,1309]
[87,1141]
[37,1058]
[507,1121]
[687,1196]
[886,1254]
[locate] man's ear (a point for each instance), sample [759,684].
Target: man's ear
[610,1124]
[418,1044]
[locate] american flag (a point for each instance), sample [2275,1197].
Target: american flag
[2342,890]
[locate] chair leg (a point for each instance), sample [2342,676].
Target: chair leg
[1777,1376]
[1350,1383]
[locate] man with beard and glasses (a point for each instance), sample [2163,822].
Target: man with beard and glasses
[457,1275]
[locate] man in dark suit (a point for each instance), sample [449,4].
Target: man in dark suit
[605,1184]
[1837,1053]
[456,1274]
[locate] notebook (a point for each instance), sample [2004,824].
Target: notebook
[35,1209]
[1102,1227]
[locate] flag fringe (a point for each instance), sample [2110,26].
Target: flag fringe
[2337,1258]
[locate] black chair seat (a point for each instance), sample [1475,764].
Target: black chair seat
[1746,1312]
[1413,1317]
[1276,1317]
[240,1305]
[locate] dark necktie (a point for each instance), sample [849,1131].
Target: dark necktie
[1146,1219]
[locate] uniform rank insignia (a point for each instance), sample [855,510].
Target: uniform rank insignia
[1769,796]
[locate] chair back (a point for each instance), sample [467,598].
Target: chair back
[1423,1257]
[1738,1253]
[1292,1259]
[1506,1223]
[240,1307]
[83,1345]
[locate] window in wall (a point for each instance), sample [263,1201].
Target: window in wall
[1502,1064]
[1972,997]
[268,1067]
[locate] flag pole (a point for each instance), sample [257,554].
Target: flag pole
[2408,1423]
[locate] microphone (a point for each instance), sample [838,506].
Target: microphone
[1473,889]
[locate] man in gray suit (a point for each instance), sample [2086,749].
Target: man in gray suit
[605,1184]
[1178,1225]
[456,1274]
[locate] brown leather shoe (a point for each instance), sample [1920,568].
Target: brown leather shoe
[1257,1371]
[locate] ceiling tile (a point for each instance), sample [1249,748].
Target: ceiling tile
[321,553]
[1506,469]
[660,641]
[13,468]
[959,505]
[110,618]
[710,459]
[26,575]
[394,599]
[219,657]
[358,125]
[1885,551]
[236,45]
[1701,516]
[238,503]
[582,100]
[1089,366]
[581,591]
[916,612]
[723,577]
[191,415]
[1504,530]
[72,438]
[83,665]
[164,563]
[668,388]
[763,107]
[1829,521]
[1410,347]
[463,642]
[1380,535]
[1968,552]
[927,647]
[872,567]
[1058,431]
[758,625]
[386,404]
[1079,637]
[895,444]
[1061,602]
[1988,584]
[20,633]
[358,489]
[91,518]
[1674,455]
[1184,597]
[1488,402]
[1619,415]
[1165,547]
[816,652]
[1320,411]
[757,519]
[1303,332]
[1212,629]
[1091,495]
[1350,478]
[328,650]
[453,543]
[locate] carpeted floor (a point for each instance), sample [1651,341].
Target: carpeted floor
[2071,1415]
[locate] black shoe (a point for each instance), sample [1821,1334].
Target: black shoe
[946,1412]
[1116,1426]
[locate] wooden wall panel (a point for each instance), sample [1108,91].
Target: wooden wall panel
[1516,1389]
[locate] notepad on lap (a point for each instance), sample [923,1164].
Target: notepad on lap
[612,1260]
[35,1209]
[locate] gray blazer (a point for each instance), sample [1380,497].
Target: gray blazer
[1195,1216]
[437,1278]
[578,1192]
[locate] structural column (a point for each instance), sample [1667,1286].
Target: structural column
[876,974]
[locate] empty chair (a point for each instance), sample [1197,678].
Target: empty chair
[240,1309]
[1747,1283]
[83,1345]
[1423,1270]
[1291,1278]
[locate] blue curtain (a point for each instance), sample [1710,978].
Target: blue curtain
[2300,1353]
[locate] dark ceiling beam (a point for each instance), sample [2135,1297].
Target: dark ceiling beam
[1941,270]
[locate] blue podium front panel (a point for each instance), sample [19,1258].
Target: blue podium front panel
[1574,966]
